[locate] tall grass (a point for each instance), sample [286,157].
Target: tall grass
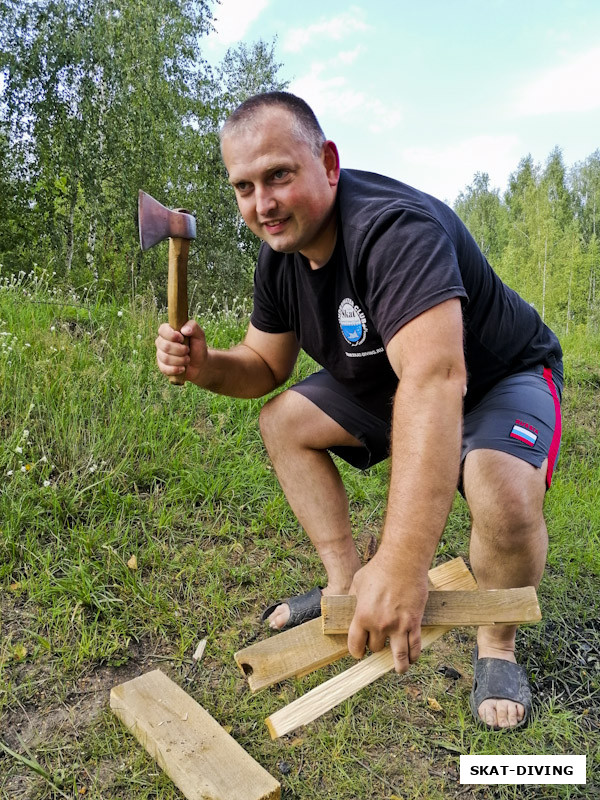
[101,460]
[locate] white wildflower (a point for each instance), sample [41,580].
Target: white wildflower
[18,449]
[119,313]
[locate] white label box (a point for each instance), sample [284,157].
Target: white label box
[523,769]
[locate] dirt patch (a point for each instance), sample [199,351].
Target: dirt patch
[17,787]
[63,712]
[85,701]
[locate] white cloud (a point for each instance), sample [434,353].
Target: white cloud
[347,57]
[569,87]
[333,98]
[334,29]
[384,116]
[440,170]
[233,18]
[326,93]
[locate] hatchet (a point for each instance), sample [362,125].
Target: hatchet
[157,223]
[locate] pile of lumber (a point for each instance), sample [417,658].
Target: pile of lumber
[204,761]
[454,600]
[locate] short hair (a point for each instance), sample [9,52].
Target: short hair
[305,124]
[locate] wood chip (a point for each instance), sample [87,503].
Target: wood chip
[433,704]
[199,650]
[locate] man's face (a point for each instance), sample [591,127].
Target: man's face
[285,193]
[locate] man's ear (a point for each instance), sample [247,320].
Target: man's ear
[331,161]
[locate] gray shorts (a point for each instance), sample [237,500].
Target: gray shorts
[520,415]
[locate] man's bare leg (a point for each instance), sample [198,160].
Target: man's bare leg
[509,542]
[297,434]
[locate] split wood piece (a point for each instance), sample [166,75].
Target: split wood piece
[201,758]
[484,607]
[290,654]
[326,696]
[303,649]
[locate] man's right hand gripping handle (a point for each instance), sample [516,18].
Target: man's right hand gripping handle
[174,357]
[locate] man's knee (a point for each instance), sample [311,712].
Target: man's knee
[276,416]
[291,419]
[512,524]
[505,496]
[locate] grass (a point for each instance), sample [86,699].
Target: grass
[101,460]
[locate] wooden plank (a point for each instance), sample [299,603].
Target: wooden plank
[292,653]
[201,759]
[483,607]
[326,696]
[303,649]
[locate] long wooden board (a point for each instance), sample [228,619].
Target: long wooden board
[201,758]
[326,696]
[483,607]
[303,649]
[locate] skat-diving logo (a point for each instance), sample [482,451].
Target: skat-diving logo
[352,322]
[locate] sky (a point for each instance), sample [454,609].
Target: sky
[432,91]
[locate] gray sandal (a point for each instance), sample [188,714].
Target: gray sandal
[499,679]
[303,608]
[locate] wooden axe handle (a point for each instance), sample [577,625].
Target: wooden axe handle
[177,291]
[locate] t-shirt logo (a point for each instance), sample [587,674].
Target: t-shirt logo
[353,322]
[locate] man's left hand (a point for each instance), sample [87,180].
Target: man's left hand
[389,603]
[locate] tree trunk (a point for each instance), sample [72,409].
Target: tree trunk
[569,299]
[544,279]
[91,247]
[71,229]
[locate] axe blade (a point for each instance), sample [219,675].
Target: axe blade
[156,222]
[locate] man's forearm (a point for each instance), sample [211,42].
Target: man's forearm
[237,372]
[426,444]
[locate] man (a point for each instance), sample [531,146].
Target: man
[422,346]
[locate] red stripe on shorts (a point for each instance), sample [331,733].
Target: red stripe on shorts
[555,443]
[521,439]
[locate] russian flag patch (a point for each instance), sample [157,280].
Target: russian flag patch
[528,435]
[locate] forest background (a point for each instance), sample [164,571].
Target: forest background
[99,98]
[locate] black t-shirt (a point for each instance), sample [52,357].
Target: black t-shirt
[398,253]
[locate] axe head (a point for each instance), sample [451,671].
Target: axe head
[157,222]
